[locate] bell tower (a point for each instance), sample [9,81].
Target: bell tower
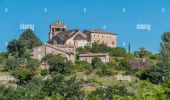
[55,28]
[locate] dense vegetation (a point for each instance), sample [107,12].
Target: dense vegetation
[149,73]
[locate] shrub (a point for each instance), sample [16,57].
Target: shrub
[44,72]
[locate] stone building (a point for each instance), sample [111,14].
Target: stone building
[88,57]
[101,37]
[55,28]
[60,35]
[42,51]
[75,38]
[64,42]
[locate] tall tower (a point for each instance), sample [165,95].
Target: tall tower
[55,28]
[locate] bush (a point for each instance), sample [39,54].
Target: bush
[117,52]
[104,72]
[44,72]
[84,65]
[58,63]
[96,62]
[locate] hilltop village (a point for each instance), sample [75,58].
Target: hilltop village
[65,42]
[82,65]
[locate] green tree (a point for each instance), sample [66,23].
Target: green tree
[22,46]
[117,52]
[58,63]
[65,88]
[23,74]
[96,62]
[161,71]
[30,39]
[97,48]
[142,53]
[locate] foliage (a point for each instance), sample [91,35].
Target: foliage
[30,39]
[17,48]
[104,71]
[83,65]
[22,46]
[96,62]
[156,74]
[13,63]
[44,72]
[66,89]
[3,58]
[117,52]
[98,48]
[161,71]
[142,53]
[23,74]
[58,63]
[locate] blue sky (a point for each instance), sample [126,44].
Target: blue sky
[98,13]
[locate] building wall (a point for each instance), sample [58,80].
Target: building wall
[76,43]
[108,39]
[80,43]
[42,51]
[104,59]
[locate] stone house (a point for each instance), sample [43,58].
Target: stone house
[60,35]
[64,42]
[42,51]
[101,37]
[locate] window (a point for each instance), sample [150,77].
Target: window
[57,29]
[52,29]
[63,29]
[113,43]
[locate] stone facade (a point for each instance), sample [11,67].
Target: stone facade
[42,51]
[101,37]
[80,39]
[88,57]
[64,42]
[56,28]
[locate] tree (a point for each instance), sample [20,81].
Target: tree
[117,52]
[30,39]
[161,71]
[22,47]
[11,64]
[96,62]
[65,88]
[142,53]
[83,65]
[23,74]
[12,47]
[58,63]
[97,48]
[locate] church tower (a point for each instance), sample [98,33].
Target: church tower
[55,28]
